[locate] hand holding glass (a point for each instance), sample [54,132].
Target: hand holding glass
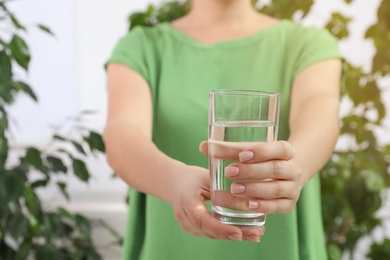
[237,120]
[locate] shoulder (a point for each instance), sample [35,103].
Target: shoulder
[307,45]
[300,33]
[145,33]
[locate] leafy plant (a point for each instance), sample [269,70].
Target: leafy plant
[355,179]
[380,251]
[155,15]
[28,229]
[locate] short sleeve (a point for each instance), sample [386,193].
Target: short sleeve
[316,44]
[130,50]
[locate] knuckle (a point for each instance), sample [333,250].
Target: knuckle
[278,207]
[299,174]
[279,189]
[264,207]
[287,149]
[198,223]
[278,168]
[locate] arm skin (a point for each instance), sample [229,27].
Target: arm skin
[314,116]
[314,128]
[134,157]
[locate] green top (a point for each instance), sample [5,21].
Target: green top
[180,71]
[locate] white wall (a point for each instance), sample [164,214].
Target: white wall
[52,69]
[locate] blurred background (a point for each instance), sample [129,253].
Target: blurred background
[66,73]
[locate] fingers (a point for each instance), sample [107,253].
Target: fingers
[253,234]
[248,151]
[265,190]
[275,169]
[199,222]
[204,148]
[191,211]
[262,152]
[227,200]
[271,206]
[226,150]
[196,219]
[259,197]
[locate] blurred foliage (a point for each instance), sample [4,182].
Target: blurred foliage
[28,230]
[380,251]
[155,15]
[355,180]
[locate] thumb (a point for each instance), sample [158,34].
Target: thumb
[204,148]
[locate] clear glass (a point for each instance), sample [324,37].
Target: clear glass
[237,119]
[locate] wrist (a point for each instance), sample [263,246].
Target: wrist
[173,183]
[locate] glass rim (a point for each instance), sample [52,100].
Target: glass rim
[243,92]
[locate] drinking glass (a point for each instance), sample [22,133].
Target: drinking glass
[238,119]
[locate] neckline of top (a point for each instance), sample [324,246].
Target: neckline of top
[184,37]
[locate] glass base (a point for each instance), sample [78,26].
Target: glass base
[240,220]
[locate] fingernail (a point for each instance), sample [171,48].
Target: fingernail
[232,171]
[252,204]
[255,239]
[201,146]
[263,231]
[236,237]
[246,156]
[237,188]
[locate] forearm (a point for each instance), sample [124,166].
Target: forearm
[138,161]
[314,132]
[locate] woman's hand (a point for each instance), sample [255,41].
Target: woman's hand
[188,202]
[268,176]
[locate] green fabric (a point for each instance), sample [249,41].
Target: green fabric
[180,72]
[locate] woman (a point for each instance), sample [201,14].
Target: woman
[158,83]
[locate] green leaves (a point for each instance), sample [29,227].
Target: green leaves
[56,164]
[23,87]
[33,157]
[95,142]
[13,185]
[80,170]
[45,29]
[338,25]
[17,226]
[23,250]
[366,170]
[46,251]
[62,187]
[379,33]
[16,23]
[6,252]
[285,9]
[20,51]
[380,251]
[32,201]
[5,76]
[3,141]
[154,15]
[27,229]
